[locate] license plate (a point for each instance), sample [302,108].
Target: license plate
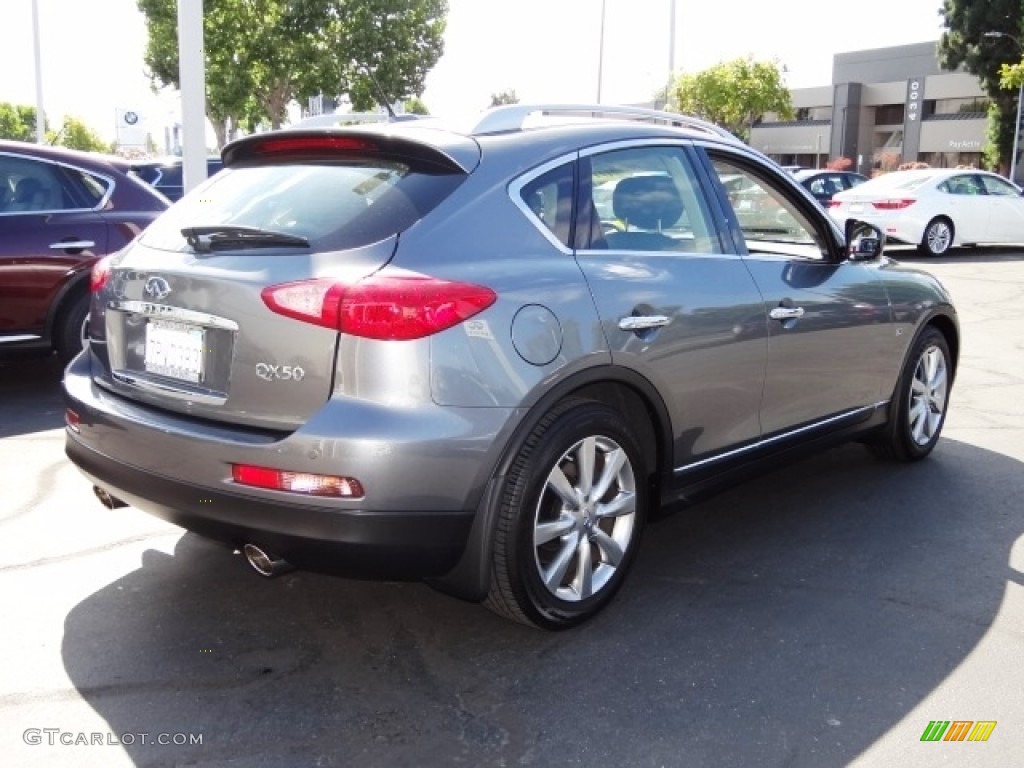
[174,349]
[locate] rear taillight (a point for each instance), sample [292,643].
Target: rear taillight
[385,307]
[100,274]
[893,205]
[832,203]
[297,482]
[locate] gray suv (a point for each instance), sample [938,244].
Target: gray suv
[421,350]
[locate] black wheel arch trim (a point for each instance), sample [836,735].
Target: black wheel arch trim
[470,578]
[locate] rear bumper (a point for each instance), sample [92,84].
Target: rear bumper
[357,543]
[425,469]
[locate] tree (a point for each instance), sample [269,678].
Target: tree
[964,44]
[508,96]
[415,106]
[75,134]
[734,94]
[17,122]
[261,55]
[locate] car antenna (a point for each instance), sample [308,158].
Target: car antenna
[381,96]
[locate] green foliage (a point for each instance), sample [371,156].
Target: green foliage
[75,134]
[260,55]
[508,96]
[415,106]
[734,94]
[964,44]
[999,135]
[17,122]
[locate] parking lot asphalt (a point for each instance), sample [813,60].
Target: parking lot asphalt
[821,615]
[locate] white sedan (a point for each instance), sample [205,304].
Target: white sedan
[937,208]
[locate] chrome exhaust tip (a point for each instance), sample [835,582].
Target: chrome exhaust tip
[108,501]
[264,563]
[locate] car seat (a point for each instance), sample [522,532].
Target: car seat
[645,205]
[29,195]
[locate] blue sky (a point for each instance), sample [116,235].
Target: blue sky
[547,50]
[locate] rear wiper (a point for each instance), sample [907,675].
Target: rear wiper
[224,237]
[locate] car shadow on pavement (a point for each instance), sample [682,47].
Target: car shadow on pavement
[30,391]
[792,621]
[973,255]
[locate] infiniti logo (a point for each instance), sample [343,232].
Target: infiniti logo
[157,288]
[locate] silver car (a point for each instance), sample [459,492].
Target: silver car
[419,350]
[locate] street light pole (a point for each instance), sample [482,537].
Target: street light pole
[1020,98]
[40,115]
[600,54]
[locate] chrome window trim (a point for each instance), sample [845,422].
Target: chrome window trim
[777,438]
[515,188]
[515,192]
[109,181]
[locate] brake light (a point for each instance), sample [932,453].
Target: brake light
[384,307]
[297,482]
[893,205]
[286,144]
[100,274]
[832,203]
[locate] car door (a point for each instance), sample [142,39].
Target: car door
[1007,210]
[969,207]
[829,333]
[675,306]
[46,234]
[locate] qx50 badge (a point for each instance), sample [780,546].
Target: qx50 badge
[269,372]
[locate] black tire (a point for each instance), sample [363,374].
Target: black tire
[919,403]
[594,535]
[69,330]
[938,237]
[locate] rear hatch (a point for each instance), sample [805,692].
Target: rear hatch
[226,308]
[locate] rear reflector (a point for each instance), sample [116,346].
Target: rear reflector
[893,205]
[384,307]
[297,482]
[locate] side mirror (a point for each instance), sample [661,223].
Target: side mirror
[864,241]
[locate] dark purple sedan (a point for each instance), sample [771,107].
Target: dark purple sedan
[60,211]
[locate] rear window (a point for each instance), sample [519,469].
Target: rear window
[334,206]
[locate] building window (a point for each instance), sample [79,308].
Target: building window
[960,106]
[889,114]
[813,113]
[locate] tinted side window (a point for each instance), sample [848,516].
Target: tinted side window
[999,187]
[963,185]
[768,220]
[549,198]
[83,190]
[28,186]
[647,199]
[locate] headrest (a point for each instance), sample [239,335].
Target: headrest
[648,202]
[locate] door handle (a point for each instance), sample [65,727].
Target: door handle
[786,313]
[66,244]
[643,322]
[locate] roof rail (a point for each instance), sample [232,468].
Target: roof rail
[511,117]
